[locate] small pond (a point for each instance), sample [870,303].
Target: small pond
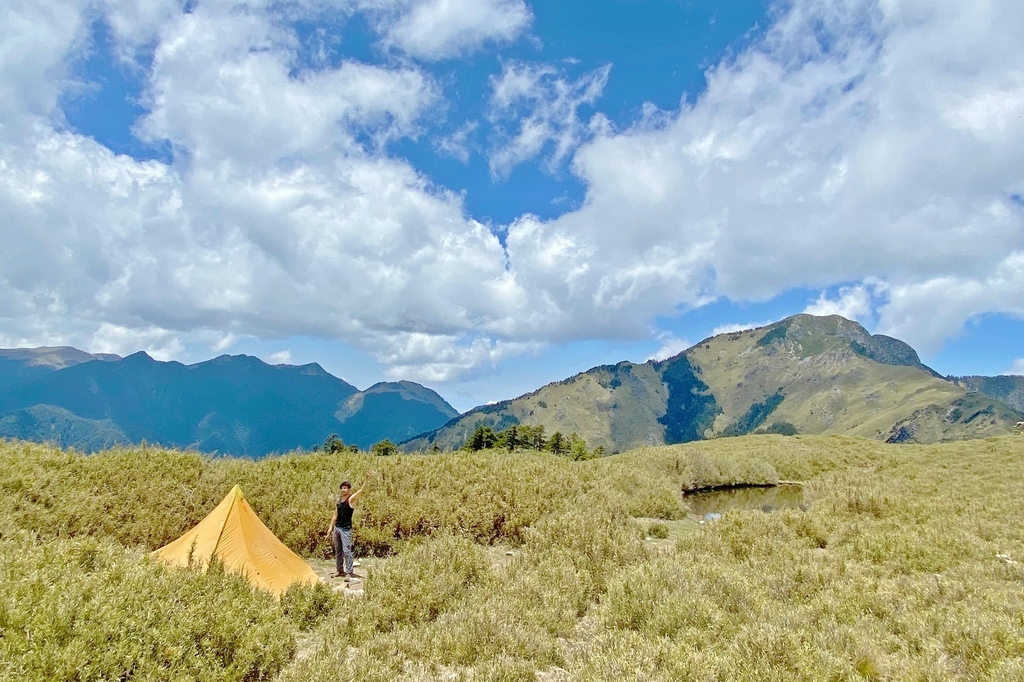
[763,498]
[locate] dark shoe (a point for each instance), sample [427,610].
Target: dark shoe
[339,574]
[352,576]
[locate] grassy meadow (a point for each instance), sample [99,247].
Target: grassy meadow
[907,563]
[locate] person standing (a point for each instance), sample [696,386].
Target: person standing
[341,529]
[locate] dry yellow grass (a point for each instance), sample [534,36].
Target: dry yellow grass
[908,564]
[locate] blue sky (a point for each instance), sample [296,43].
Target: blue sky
[488,195]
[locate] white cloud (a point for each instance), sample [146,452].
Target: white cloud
[224,342]
[135,24]
[852,302]
[36,39]
[439,29]
[873,143]
[273,220]
[34,336]
[1017,368]
[670,347]
[541,104]
[281,357]
[459,144]
[927,312]
[161,344]
[222,89]
[436,358]
[856,142]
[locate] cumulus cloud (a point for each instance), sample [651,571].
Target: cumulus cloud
[136,24]
[439,358]
[873,143]
[535,109]
[438,29]
[670,347]
[161,344]
[223,342]
[281,357]
[856,141]
[223,87]
[1017,368]
[936,308]
[34,69]
[275,218]
[852,302]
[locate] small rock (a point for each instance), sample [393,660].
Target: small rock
[510,553]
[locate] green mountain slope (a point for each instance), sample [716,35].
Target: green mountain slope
[606,405]
[57,425]
[804,374]
[833,377]
[231,404]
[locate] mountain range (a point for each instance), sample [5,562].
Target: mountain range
[231,404]
[804,374]
[801,375]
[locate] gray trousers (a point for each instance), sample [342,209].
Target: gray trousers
[343,550]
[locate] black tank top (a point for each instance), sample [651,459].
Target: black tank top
[344,515]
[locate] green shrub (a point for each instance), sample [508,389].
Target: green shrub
[781,428]
[308,605]
[658,530]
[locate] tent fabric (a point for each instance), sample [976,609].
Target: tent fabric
[235,535]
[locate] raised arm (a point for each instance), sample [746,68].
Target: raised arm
[355,496]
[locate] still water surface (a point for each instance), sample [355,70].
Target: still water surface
[765,499]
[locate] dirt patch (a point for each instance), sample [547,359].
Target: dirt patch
[362,569]
[499,556]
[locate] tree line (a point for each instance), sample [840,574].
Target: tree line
[515,437]
[334,444]
[523,437]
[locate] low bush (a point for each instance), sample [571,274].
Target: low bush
[657,530]
[87,609]
[306,606]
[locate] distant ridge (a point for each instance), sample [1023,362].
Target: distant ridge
[231,404]
[1007,387]
[18,365]
[53,357]
[804,374]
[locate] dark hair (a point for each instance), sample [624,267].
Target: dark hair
[345,484]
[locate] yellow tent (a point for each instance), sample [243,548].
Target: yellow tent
[234,534]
